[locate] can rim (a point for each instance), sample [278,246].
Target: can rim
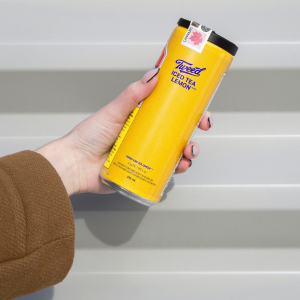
[214,38]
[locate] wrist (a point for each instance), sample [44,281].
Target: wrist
[63,159]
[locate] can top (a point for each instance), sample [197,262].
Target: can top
[214,38]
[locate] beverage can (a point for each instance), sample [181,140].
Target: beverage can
[151,142]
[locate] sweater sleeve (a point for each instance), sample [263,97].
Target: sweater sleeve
[36,225]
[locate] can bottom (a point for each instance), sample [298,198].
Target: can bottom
[127,193]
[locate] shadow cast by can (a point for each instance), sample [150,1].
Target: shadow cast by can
[114,218]
[45,294]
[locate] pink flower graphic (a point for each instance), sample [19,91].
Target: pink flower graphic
[196,37]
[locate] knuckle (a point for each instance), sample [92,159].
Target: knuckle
[131,92]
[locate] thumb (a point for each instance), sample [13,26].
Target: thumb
[118,110]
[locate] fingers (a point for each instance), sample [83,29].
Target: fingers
[183,165]
[206,122]
[119,109]
[191,151]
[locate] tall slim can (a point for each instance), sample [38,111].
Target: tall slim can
[150,145]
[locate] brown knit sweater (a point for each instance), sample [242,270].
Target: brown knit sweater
[36,225]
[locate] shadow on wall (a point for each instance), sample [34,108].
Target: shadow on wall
[112,230]
[45,294]
[88,91]
[115,222]
[118,224]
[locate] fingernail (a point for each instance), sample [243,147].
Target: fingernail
[150,75]
[190,163]
[195,150]
[210,122]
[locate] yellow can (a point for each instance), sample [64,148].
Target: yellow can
[150,145]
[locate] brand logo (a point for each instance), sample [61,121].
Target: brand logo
[187,68]
[197,37]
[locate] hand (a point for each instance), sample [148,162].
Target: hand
[79,156]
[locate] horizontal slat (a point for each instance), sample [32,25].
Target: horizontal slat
[175,287]
[117,260]
[233,160]
[245,161]
[132,56]
[241,149]
[242,124]
[200,198]
[107,35]
[144,20]
[72,92]
[130,231]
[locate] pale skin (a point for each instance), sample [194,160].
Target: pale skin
[79,156]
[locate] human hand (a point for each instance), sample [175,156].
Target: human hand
[79,156]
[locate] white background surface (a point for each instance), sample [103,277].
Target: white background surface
[229,228]
[122,34]
[234,228]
